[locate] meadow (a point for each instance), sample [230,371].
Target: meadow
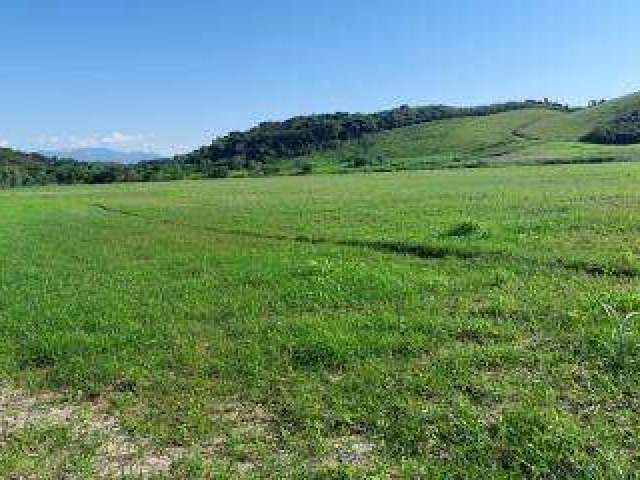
[427,324]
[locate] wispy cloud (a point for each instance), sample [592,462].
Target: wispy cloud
[4,143]
[119,138]
[116,139]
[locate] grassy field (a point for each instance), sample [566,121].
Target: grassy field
[436,324]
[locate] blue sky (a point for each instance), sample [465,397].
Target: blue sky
[168,75]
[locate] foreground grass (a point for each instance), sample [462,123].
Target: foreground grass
[433,324]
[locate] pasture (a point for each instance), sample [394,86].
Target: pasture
[433,324]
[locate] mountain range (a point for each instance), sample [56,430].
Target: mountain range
[102,154]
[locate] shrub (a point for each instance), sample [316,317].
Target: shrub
[466,229]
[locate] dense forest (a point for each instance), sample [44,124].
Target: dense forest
[257,151]
[622,130]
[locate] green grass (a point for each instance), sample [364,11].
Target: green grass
[438,324]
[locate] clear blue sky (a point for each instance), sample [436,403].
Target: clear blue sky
[168,74]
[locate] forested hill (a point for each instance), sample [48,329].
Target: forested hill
[258,147]
[24,169]
[15,166]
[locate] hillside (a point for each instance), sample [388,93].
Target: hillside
[263,148]
[607,132]
[26,169]
[442,143]
[10,157]
[573,126]
[430,137]
[16,166]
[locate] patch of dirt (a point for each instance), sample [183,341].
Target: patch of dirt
[353,450]
[119,453]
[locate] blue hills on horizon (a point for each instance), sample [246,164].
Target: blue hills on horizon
[103,154]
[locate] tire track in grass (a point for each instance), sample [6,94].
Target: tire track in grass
[418,250]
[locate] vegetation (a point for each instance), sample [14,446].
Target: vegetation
[622,130]
[266,149]
[448,143]
[27,169]
[403,138]
[575,125]
[256,148]
[441,324]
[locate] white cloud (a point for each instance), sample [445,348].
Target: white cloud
[116,139]
[119,138]
[4,143]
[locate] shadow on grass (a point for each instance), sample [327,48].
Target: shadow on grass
[418,250]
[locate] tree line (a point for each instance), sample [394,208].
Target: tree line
[27,169]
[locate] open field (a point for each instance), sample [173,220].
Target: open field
[435,324]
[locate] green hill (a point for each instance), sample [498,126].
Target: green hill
[428,137]
[574,126]
[442,143]
[26,169]
[270,146]
[536,135]
[16,166]
[9,157]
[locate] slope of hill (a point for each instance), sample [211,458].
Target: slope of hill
[25,169]
[624,129]
[16,166]
[10,157]
[574,126]
[441,143]
[428,137]
[536,135]
[260,148]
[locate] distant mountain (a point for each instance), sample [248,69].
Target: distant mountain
[102,154]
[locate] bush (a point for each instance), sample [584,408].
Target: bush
[466,229]
[307,168]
